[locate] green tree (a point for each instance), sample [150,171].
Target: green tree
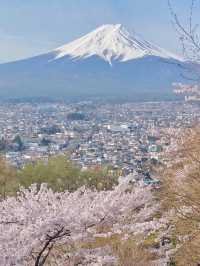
[61,174]
[2,144]
[45,142]
[8,179]
[19,142]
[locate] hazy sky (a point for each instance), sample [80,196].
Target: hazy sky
[31,27]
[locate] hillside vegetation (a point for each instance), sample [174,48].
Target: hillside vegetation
[58,172]
[57,214]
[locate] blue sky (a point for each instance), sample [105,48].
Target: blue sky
[31,27]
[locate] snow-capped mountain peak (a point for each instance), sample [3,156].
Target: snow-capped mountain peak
[111,42]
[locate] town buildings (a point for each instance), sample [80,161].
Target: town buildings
[125,136]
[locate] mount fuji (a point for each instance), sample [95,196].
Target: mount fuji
[109,62]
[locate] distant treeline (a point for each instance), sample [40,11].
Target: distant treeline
[58,172]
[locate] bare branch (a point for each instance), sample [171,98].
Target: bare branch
[191,36]
[49,244]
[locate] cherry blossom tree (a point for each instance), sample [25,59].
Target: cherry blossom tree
[180,196]
[36,224]
[188,33]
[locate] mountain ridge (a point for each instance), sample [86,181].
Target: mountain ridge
[108,62]
[111,42]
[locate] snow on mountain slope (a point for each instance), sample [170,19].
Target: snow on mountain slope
[82,69]
[111,42]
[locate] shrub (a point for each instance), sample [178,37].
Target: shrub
[61,174]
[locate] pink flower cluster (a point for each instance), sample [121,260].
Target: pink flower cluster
[34,221]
